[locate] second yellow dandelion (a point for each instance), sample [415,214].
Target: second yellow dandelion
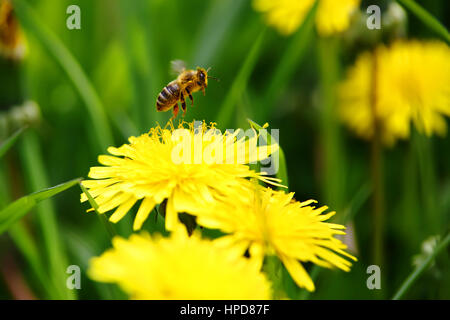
[287,15]
[268,222]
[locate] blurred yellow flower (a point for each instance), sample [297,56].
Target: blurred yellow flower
[190,166]
[410,82]
[287,15]
[180,268]
[270,222]
[12,40]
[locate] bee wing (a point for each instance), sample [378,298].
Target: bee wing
[177,66]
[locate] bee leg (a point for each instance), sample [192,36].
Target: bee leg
[175,111]
[190,96]
[183,104]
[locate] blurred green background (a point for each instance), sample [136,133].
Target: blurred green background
[124,48]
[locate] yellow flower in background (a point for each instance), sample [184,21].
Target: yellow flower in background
[12,40]
[409,83]
[270,222]
[190,166]
[287,15]
[179,267]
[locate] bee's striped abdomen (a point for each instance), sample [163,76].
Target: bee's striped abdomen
[168,97]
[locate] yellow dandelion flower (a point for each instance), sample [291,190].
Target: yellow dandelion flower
[287,15]
[409,83]
[272,223]
[179,268]
[190,166]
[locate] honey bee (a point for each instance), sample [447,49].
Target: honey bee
[187,82]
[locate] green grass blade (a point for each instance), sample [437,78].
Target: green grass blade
[139,40]
[72,68]
[427,18]
[108,226]
[356,203]
[421,268]
[289,62]
[428,182]
[282,168]
[46,216]
[282,173]
[5,146]
[83,249]
[25,243]
[217,23]
[16,210]
[240,83]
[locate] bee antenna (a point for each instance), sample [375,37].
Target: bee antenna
[207,70]
[217,79]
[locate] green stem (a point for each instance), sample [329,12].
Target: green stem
[314,273]
[377,174]
[240,83]
[289,62]
[378,202]
[411,213]
[428,182]
[281,165]
[273,268]
[5,146]
[428,19]
[106,223]
[420,269]
[334,169]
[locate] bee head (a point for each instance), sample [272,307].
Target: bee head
[202,77]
